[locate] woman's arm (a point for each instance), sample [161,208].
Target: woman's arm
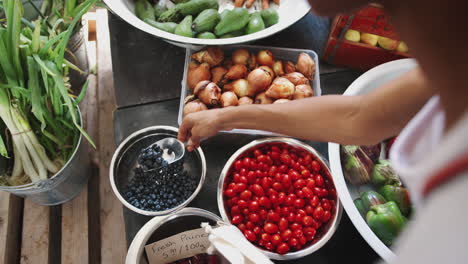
[361,120]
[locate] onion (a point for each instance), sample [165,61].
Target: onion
[262,98]
[238,71]
[227,63]
[259,79]
[303,91]
[282,101]
[296,78]
[289,67]
[252,62]
[218,74]
[240,87]
[306,65]
[208,92]
[212,55]
[197,73]
[194,106]
[281,88]
[240,56]
[265,57]
[269,70]
[245,101]
[229,99]
[278,68]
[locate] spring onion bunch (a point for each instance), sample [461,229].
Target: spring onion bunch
[41,117]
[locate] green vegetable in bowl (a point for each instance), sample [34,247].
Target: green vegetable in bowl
[360,206]
[371,198]
[206,21]
[386,221]
[255,24]
[185,27]
[192,7]
[233,20]
[144,10]
[234,34]
[168,26]
[206,35]
[399,195]
[383,174]
[270,16]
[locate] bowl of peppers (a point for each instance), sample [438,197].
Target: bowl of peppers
[372,193]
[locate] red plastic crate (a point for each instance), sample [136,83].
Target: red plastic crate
[342,52]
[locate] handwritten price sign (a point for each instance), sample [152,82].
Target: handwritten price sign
[180,246]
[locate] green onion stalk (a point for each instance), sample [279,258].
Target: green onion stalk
[40,114]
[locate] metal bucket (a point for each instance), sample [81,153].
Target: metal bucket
[64,185]
[78,55]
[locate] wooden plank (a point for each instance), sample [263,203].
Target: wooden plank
[113,244]
[11,209]
[35,237]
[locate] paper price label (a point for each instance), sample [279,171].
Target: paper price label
[176,247]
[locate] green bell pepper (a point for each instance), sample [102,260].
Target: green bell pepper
[371,198]
[386,221]
[360,206]
[399,195]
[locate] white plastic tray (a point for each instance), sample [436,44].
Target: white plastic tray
[347,192]
[279,53]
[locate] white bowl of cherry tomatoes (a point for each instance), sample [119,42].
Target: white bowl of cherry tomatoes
[280,194]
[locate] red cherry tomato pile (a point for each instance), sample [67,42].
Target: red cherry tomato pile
[279,197]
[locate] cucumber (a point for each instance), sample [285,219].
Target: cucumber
[206,35]
[167,26]
[270,17]
[255,24]
[185,27]
[233,20]
[206,20]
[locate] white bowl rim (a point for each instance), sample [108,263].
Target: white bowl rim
[133,20]
[379,247]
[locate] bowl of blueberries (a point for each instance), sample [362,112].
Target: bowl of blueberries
[146,183]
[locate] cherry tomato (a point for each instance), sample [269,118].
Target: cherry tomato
[242,227]
[298,233]
[302,240]
[254,206]
[300,194]
[285,211]
[276,239]
[254,217]
[262,158]
[240,187]
[298,184]
[265,202]
[257,230]
[250,235]
[242,204]
[293,242]
[286,234]
[263,214]
[238,165]
[237,219]
[307,220]
[314,201]
[272,171]
[318,213]
[319,180]
[297,166]
[265,237]
[326,216]
[281,198]
[309,209]
[243,179]
[266,183]
[299,203]
[273,217]
[230,193]
[277,186]
[315,166]
[326,205]
[257,153]
[250,225]
[270,228]
[283,224]
[269,246]
[305,174]
[275,155]
[294,175]
[235,210]
[283,169]
[295,226]
[251,177]
[291,217]
[245,211]
[275,148]
[311,184]
[286,181]
[274,199]
[285,159]
[257,190]
[246,162]
[282,248]
[246,195]
[309,231]
[307,192]
[243,172]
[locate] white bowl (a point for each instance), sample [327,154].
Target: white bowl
[290,11]
[347,192]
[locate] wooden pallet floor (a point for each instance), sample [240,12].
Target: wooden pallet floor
[90,228]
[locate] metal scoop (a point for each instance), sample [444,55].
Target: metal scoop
[173,150]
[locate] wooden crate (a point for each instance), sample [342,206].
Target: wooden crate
[90,228]
[370,19]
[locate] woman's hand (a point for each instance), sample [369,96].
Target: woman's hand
[200,125]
